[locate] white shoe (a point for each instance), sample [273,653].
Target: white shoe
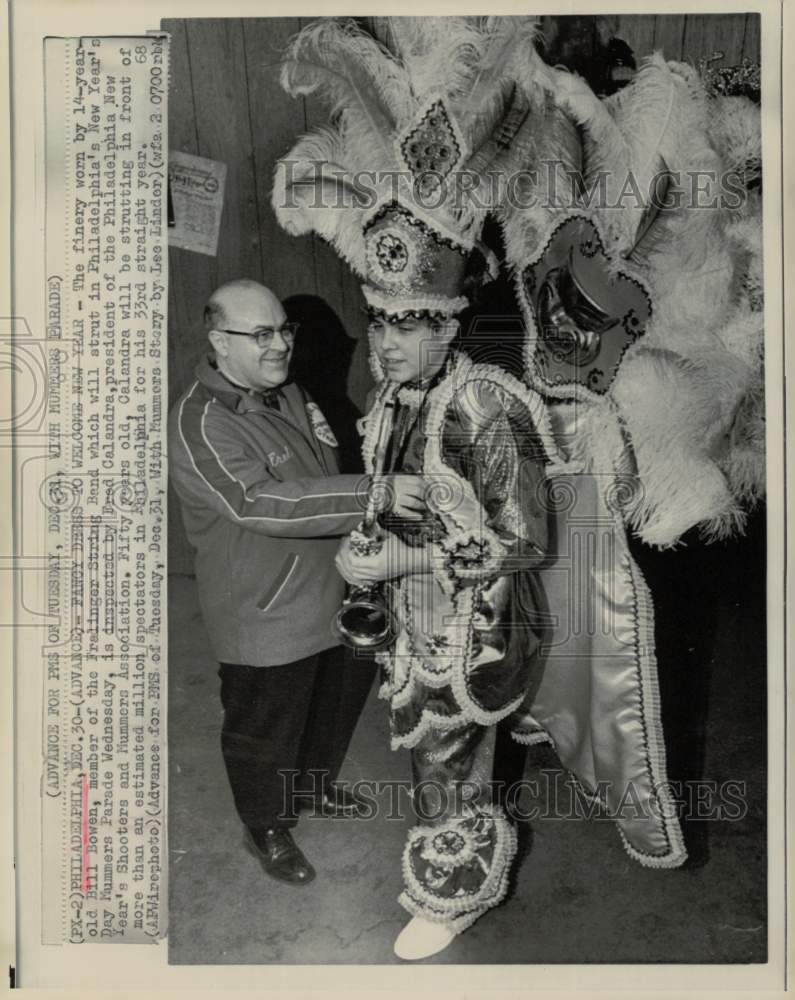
[421,938]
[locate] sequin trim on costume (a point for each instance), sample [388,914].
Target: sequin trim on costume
[456,870]
[461,582]
[400,306]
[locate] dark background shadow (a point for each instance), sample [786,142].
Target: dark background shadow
[321,361]
[701,592]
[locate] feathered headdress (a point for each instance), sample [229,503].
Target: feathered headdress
[427,122]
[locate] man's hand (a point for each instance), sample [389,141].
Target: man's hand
[394,559]
[403,495]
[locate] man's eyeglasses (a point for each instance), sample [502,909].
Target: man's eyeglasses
[264,335]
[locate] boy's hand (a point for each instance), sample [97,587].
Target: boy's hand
[394,559]
[402,494]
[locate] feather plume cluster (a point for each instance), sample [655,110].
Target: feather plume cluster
[376,85]
[689,394]
[648,166]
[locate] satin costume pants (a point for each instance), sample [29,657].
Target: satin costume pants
[457,859]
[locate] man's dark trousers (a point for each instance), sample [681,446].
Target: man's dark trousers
[279,720]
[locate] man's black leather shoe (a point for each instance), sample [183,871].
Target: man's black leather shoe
[335,803]
[280,856]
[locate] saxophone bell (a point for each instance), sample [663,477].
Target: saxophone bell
[365,621]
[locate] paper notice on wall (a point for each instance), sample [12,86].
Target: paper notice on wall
[197,196]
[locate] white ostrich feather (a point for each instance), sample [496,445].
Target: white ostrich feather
[676,447]
[438,53]
[302,204]
[605,149]
[735,125]
[355,75]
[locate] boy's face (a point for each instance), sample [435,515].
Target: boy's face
[412,349]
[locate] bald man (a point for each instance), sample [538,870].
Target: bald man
[255,466]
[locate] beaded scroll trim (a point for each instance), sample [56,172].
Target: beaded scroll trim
[462,371]
[461,911]
[427,224]
[418,306]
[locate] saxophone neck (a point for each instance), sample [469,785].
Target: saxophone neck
[379,486]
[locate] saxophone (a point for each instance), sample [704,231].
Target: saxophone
[365,621]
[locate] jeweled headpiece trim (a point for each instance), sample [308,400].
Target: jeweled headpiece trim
[399,307]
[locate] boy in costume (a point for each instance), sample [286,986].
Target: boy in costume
[460,588]
[460,584]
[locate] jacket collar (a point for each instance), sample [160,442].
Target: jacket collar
[235,397]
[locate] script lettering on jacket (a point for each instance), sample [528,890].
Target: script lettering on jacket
[275,458]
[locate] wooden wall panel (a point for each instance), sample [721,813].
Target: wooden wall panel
[669,30]
[190,274]
[189,277]
[223,127]
[294,265]
[637,30]
[706,34]
[752,37]
[685,37]
[288,265]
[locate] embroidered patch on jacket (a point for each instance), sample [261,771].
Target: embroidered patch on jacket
[320,426]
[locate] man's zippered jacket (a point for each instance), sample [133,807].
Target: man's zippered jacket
[264,505]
